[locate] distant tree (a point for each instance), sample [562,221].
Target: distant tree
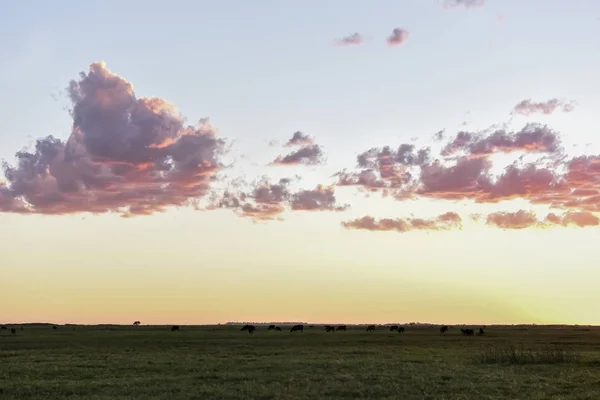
[136,323]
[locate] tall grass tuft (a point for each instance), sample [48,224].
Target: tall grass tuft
[511,355]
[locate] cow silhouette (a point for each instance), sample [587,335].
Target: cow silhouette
[467,332]
[174,328]
[271,327]
[249,328]
[297,328]
[443,329]
[401,329]
[393,328]
[278,329]
[341,328]
[329,328]
[370,328]
[13,331]
[481,332]
[3,328]
[55,327]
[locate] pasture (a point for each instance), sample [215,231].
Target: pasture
[221,362]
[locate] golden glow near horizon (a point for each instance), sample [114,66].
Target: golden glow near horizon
[191,267]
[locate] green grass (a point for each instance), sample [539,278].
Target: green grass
[219,362]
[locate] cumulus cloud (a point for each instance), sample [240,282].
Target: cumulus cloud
[354,39]
[464,170]
[529,107]
[464,3]
[266,200]
[532,138]
[307,155]
[319,199]
[397,37]
[526,219]
[124,154]
[447,221]
[515,220]
[300,139]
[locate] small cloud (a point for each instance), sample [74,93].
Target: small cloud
[397,37]
[526,219]
[308,155]
[447,221]
[464,3]
[319,199]
[529,107]
[354,39]
[516,220]
[299,139]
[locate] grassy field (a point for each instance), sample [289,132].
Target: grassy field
[220,362]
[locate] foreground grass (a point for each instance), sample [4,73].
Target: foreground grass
[223,363]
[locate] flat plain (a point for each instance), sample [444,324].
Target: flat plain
[220,362]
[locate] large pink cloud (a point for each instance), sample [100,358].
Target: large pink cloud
[125,154]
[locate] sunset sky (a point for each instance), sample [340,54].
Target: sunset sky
[338,161]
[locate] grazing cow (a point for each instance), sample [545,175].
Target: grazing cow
[13,331]
[278,329]
[467,332]
[3,328]
[249,328]
[312,326]
[394,328]
[481,332]
[370,328]
[401,329]
[174,328]
[297,328]
[55,327]
[443,329]
[341,328]
[271,327]
[329,328]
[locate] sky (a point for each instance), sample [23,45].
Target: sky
[199,162]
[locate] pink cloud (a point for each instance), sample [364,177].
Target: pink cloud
[529,107]
[447,221]
[131,155]
[397,37]
[354,39]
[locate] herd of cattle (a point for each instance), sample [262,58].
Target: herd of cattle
[300,328]
[371,328]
